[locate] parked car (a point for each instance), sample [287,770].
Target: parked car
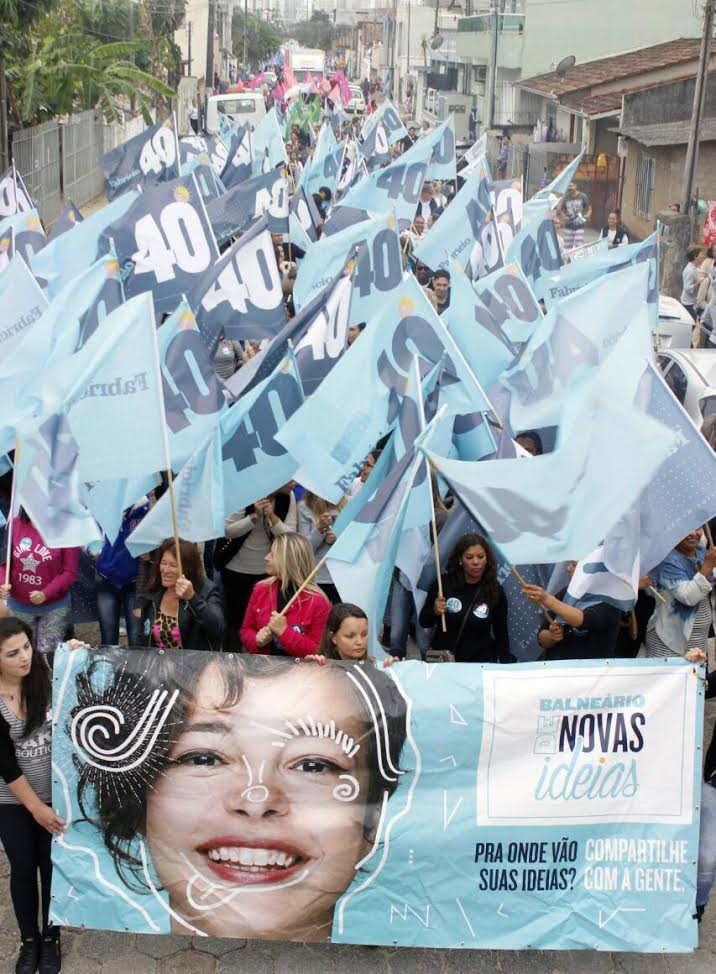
[691,376]
[357,103]
[245,107]
[675,324]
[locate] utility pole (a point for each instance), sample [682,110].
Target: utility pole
[494,23]
[188,47]
[246,31]
[4,136]
[210,45]
[692,149]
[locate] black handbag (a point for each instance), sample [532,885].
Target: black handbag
[224,551]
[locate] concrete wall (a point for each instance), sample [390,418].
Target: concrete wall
[591,29]
[667,103]
[668,186]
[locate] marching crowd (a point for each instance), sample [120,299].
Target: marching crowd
[264,588]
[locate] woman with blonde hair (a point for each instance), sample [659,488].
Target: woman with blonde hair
[315,522]
[269,627]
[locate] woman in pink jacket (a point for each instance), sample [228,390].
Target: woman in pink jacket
[40,583]
[298,632]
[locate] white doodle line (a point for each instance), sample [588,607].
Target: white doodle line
[467,919]
[253,888]
[345,899]
[93,855]
[160,899]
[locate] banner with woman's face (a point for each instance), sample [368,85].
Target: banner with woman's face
[263,798]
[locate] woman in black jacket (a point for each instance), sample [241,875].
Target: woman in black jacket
[473,605]
[182,610]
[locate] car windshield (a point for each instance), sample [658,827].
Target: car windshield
[237,106]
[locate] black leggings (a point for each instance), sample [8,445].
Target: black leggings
[27,846]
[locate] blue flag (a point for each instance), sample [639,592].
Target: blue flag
[241,294]
[193,393]
[395,188]
[67,220]
[107,500]
[48,484]
[191,149]
[509,302]
[265,195]
[358,401]
[14,197]
[571,342]
[146,159]
[303,216]
[575,276]
[376,148]
[240,463]
[680,497]
[443,162]
[28,234]
[559,506]
[23,303]
[239,161]
[456,232]
[53,339]
[164,242]
[111,392]
[379,270]
[391,121]
[268,143]
[320,329]
[324,166]
[536,249]
[487,350]
[59,263]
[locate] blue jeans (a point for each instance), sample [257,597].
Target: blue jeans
[706,871]
[402,611]
[111,603]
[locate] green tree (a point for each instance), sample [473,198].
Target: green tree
[316,32]
[63,68]
[262,38]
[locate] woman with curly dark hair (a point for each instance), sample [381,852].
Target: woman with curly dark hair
[473,605]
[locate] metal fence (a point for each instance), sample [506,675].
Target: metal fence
[36,152]
[82,145]
[60,161]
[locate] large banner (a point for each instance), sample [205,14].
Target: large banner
[548,806]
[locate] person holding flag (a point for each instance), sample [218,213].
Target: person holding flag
[473,604]
[287,611]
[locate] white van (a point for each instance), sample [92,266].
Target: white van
[244,106]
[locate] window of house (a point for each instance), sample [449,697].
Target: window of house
[644,188]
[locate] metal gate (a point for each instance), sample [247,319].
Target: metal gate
[82,177]
[36,152]
[597,176]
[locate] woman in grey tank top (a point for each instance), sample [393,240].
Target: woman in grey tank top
[27,821]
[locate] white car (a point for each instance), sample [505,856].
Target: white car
[675,324]
[357,103]
[691,376]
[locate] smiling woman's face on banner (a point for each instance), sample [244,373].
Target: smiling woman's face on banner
[275,805]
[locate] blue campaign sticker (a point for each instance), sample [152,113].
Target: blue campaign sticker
[453,605]
[481,611]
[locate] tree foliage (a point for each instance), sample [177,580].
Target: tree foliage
[316,32]
[262,38]
[76,56]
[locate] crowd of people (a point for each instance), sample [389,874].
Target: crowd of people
[264,588]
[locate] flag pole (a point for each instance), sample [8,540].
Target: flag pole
[309,578]
[709,536]
[520,578]
[165,438]
[11,512]
[436,550]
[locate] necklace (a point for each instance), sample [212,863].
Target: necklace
[6,693]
